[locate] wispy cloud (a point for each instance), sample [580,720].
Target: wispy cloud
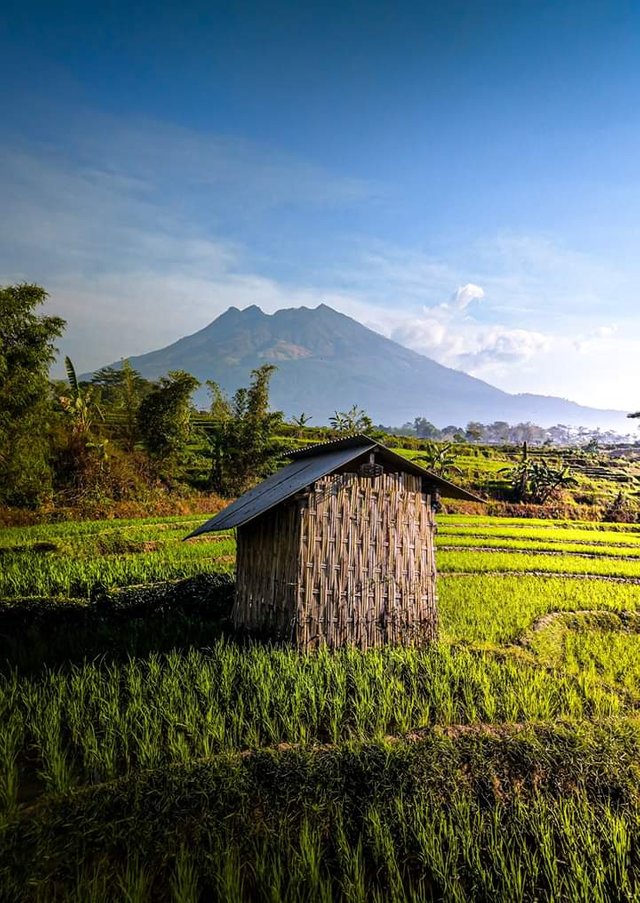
[130,232]
[533,316]
[143,233]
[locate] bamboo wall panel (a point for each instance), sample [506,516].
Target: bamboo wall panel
[266,572]
[367,566]
[351,561]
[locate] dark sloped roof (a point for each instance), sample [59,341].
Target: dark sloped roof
[356,440]
[445,487]
[280,486]
[311,464]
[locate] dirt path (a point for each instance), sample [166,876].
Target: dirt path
[563,574]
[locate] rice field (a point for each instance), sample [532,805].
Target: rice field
[498,764]
[555,546]
[63,561]
[523,561]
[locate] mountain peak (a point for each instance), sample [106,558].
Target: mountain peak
[328,361]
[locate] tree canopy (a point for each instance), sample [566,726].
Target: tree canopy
[26,352]
[240,433]
[164,415]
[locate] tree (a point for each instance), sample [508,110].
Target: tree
[475,431]
[536,480]
[82,455]
[26,352]
[355,420]
[121,391]
[338,421]
[425,429]
[440,458]
[164,416]
[78,404]
[302,420]
[620,510]
[240,432]
[498,431]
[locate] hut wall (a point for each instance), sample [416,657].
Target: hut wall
[366,564]
[266,572]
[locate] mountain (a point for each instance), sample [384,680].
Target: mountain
[327,361]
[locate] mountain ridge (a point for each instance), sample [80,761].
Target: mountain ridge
[328,361]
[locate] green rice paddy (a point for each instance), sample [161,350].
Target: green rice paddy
[145,754]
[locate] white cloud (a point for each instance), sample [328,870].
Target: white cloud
[149,233]
[465,343]
[499,345]
[465,294]
[593,339]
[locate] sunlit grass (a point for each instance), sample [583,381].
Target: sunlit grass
[505,562]
[491,608]
[449,541]
[552,532]
[489,834]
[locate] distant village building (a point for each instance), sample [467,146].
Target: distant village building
[337,548]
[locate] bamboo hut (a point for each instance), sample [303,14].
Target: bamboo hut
[337,548]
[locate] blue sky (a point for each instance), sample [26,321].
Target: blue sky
[464,177]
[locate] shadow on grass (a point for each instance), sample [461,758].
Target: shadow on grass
[135,621]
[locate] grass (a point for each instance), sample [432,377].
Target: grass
[77,570]
[482,523]
[453,541]
[552,532]
[82,531]
[496,609]
[536,563]
[532,814]
[498,764]
[603,646]
[98,721]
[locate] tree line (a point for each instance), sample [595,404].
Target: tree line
[502,433]
[117,434]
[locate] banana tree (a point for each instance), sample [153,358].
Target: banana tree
[536,480]
[440,458]
[79,405]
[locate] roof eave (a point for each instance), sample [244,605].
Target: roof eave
[351,447]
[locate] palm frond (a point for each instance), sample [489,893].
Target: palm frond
[71,376]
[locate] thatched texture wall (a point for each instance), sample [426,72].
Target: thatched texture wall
[351,561]
[267,566]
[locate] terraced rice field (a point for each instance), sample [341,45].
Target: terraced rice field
[145,754]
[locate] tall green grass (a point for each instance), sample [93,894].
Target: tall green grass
[416,852]
[481,522]
[52,574]
[96,721]
[590,647]
[553,532]
[82,531]
[527,815]
[489,543]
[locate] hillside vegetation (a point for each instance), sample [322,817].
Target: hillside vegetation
[120,443]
